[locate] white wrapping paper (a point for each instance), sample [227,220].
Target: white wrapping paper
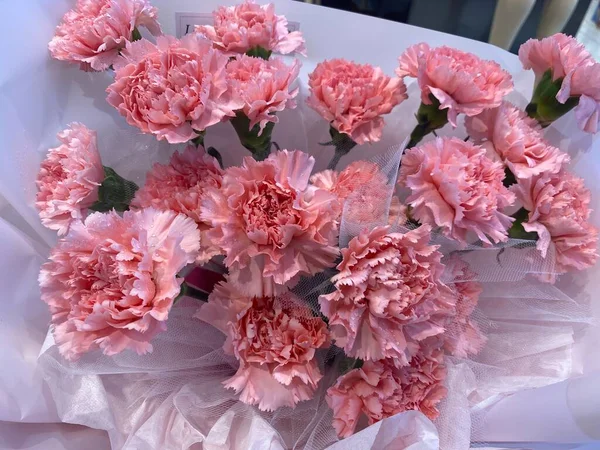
[39,96]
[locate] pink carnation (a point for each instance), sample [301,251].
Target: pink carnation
[362,190]
[173,89]
[263,86]
[270,222]
[456,187]
[379,390]
[517,140]
[180,186]
[463,337]
[69,178]
[460,81]
[96,30]
[111,282]
[353,97]
[388,295]
[240,28]
[559,213]
[569,60]
[275,341]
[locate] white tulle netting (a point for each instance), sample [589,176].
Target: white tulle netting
[174,397]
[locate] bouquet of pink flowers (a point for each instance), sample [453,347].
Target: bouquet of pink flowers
[357,292]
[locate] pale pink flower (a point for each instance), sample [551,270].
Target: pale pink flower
[352,97]
[275,341]
[460,81]
[263,86]
[69,178]
[456,187]
[180,186]
[243,27]
[463,337]
[362,190]
[379,390]
[111,282]
[388,295]
[558,206]
[517,139]
[270,222]
[95,31]
[570,61]
[173,89]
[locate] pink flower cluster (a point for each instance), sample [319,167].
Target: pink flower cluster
[95,31]
[173,89]
[570,62]
[275,340]
[111,282]
[240,28]
[517,140]
[388,295]
[456,187]
[460,81]
[379,389]
[69,178]
[559,213]
[263,86]
[353,97]
[270,222]
[181,186]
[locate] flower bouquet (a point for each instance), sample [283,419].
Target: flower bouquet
[236,296]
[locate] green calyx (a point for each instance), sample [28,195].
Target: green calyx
[258,143]
[429,118]
[259,52]
[517,231]
[115,192]
[543,106]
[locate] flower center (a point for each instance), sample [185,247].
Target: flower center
[267,212]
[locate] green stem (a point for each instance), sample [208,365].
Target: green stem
[188,290]
[342,144]
[429,118]
[198,141]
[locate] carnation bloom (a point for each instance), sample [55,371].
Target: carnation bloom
[275,341]
[180,186]
[270,222]
[111,282]
[456,187]
[460,81]
[69,178]
[379,390]
[361,188]
[173,89]
[558,206]
[263,86]
[240,28]
[569,61]
[517,139]
[95,31]
[353,97]
[463,337]
[388,295]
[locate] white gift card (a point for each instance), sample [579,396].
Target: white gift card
[188,20]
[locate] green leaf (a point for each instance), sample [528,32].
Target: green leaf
[259,52]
